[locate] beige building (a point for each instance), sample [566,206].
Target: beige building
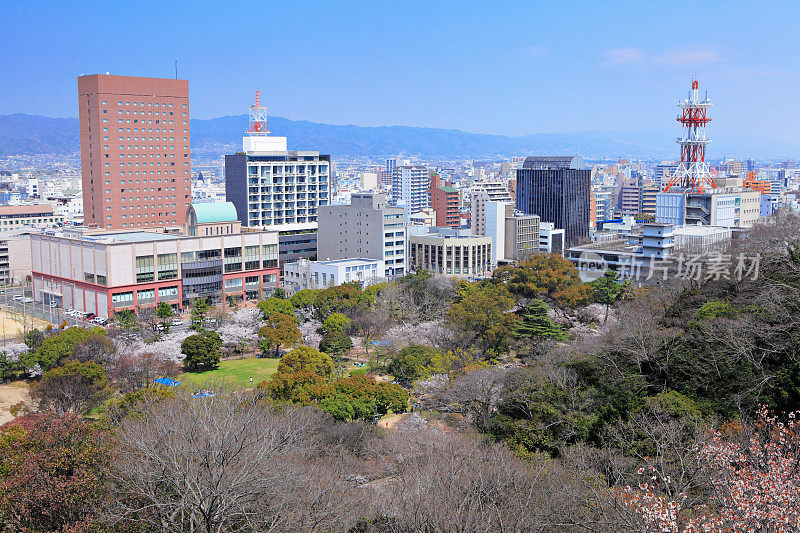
[522,237]
[17,216]
[102,271]
[451,252]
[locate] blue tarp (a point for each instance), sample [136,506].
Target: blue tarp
[166,381]
[202,394]
[380,343]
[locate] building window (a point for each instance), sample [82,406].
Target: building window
[88,277]
[167,266]
[145,269]
[122,299]
[233,259]
[269,256]
[168,293]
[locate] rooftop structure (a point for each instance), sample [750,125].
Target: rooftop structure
[693,172]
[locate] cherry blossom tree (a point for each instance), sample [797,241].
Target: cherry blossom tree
[753,482]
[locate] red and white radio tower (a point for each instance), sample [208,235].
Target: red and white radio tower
[693,171]
[258,118]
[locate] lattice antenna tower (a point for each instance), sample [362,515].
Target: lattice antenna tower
[693,171]
[258,118]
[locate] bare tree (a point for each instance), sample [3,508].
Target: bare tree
[226,462]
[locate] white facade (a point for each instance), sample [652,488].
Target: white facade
[551,239]
[480,193]
[410,186]
[306,274]
[496,212]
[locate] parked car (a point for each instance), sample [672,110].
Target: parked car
[27,300]
[177,322]
[18,298]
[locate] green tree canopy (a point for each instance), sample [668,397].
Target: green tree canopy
[273,305]
[482,310]
[336,322]
[547,276]
[308,359]
[279,330]
[201,351]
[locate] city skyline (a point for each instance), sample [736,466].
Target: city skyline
[514,69]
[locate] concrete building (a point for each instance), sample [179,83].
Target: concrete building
[450,252]
[38,215]
[15,255]
[769,204]
[445,202]
[367,228]
[480,193]
[277,189]
[557,189]
[495,227]
[551,239]
[730,207]
[522,237]
[604,205]
[135,161]
[425,217]
[305,274]
[100,271]
[410,187]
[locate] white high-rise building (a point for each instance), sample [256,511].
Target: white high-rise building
[410,186]
[480,193]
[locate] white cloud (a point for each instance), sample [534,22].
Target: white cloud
[621,56]
[689,57]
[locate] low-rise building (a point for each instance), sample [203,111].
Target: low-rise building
[450,252]
[305,274]
[38,215]
[551,239]
[103,271]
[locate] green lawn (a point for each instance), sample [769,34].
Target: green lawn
[236,372]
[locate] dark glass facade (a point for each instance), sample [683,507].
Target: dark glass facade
[557,189]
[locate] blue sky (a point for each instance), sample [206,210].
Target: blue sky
[490,67]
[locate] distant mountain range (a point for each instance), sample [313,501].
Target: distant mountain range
[22,134]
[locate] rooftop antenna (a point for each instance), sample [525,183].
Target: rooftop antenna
[176,69]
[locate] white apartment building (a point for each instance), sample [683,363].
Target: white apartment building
[480,193]
[410,186]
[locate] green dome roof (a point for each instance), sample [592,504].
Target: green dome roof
[211,212]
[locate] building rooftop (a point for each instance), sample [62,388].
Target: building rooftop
[135,236]
[448,189]
[212,212]
[30,209]
[350,261]
[554,162]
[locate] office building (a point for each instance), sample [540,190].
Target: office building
[305,274]
[135,162]
[762,186]
[15,255]
[522,237]
[480,193]
[729,205]
[451,252]
[410,187]
[278,189]
[557,189]
[101,271]
[366,228]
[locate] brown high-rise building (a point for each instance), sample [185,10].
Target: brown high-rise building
[134,151]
